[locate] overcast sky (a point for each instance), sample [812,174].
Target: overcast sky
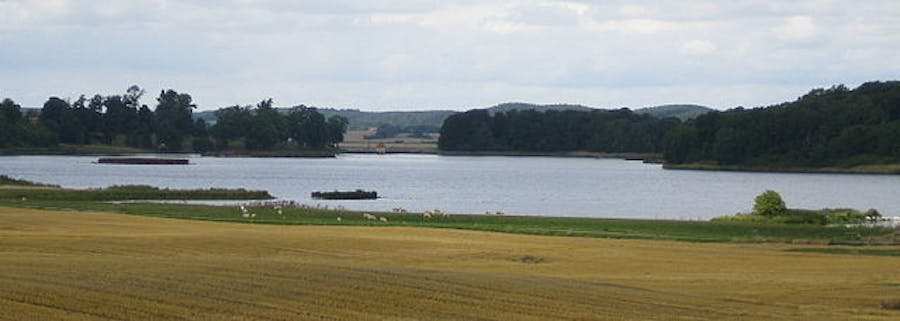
[441,54]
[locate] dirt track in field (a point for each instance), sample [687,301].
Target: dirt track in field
[97,266]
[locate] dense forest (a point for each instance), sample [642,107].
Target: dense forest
[611,131]
[826,127]
[120,120]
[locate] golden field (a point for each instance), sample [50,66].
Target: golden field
[66,265]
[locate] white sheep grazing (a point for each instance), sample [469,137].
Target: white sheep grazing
[427,214]
[383,219]
[338,218]
[369,217]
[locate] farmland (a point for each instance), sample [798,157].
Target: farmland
[82,265]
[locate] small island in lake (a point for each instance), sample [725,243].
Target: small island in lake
[143,161]
[348,195]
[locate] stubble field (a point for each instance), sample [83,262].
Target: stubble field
[67,265]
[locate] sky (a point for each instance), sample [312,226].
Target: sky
[445,54]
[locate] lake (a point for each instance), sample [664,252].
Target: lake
[551,186]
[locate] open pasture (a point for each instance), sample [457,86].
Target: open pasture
[68,265]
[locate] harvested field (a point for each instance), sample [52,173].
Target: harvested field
[57,265]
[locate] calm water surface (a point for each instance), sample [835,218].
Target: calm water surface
[461,184]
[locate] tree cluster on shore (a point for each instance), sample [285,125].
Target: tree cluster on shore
[612,131]
[826,127]
[120,120]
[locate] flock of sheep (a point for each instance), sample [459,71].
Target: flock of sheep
[279,206]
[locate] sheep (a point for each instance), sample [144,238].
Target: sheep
[338,218]
[369,217]
[383,219]
[427,214]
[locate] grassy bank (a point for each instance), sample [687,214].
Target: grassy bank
[7,182]
[693,231]
[124,193]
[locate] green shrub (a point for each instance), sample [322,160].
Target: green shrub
[769,203]
[844,216]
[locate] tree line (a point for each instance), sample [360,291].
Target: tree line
[121,120]
[826,127]
[610,131]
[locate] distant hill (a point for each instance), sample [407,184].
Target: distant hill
[682,112]
[360,120]
[502,108]
[209,116]
[433,119]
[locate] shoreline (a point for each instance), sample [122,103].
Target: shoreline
[646,157]
[100,150]
[274,154]
[875,169]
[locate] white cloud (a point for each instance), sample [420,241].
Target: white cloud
[698,47]
[632,26]
[445,53]
[634,10]
[797,28]
[579,8]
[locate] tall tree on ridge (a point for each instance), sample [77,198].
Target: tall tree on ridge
[173,119]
